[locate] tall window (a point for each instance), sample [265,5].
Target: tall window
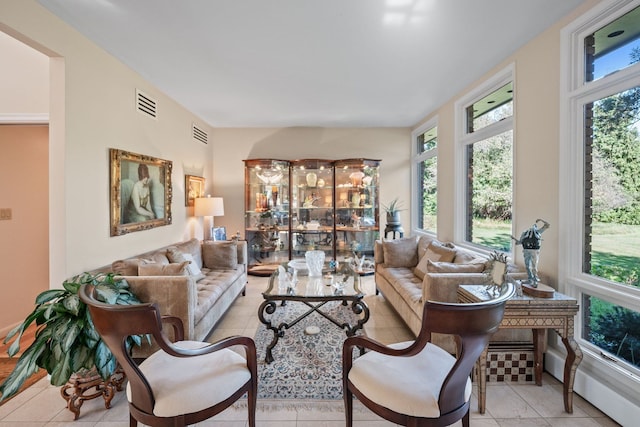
[605,101]
[488,153]
[426,169]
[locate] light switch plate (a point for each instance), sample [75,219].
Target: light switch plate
[5,213]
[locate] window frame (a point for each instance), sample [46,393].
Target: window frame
[575,93]
[418,158]
[463,139]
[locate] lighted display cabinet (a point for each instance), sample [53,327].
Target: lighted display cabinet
[312,212]
[267,216]
[357,206]
[312,204]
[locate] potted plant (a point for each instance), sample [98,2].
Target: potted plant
[393,211]
[66,341]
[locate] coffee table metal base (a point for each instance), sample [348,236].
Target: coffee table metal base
[269,306]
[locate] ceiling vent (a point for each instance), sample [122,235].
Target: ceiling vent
[146,105]
[199,134]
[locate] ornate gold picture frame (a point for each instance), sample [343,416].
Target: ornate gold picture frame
[193,188]
[140,192]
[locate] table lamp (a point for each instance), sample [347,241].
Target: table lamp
[209,207]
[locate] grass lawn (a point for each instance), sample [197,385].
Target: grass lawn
[616,247]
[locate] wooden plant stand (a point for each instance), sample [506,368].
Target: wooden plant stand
[90,385]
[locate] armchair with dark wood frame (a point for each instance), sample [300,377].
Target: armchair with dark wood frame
[184,382]
[417,383]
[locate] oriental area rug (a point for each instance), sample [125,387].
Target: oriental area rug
[306,367]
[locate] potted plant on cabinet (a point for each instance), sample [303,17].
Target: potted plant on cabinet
[66,342]
[393,212]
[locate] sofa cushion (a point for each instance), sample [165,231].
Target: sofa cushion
[464,257]
[212,287]
[435,252]
[400,252]
[193,268]
[449,267]
[126,267]
[220,255]
[155,269]
[193,247]
[423,243]
[408,286]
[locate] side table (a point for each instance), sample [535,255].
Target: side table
[393,229]
[537,314]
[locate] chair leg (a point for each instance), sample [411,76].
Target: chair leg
[348,406]
[465,419]
[132,421]
[252,396]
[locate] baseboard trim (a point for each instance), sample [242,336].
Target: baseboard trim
[609,401]
[25,119]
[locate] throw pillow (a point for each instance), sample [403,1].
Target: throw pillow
[193,247]
[400,252]
[449,267]
[126,267]
[463,257]
[193,268]
[220,255]
[175,255]
[436,252]
[155,269]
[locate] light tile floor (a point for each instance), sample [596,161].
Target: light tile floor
[507,405]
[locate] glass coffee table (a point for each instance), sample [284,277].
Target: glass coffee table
[341,285]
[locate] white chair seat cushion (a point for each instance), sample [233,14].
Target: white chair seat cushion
[407,385]
[182,385]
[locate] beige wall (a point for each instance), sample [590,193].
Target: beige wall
[536,138]
[24,255]
[232,146]
[24,80]
[92,110]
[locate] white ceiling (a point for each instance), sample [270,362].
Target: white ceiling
[330,63]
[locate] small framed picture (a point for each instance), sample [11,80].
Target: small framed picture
[219,233]
[194,187]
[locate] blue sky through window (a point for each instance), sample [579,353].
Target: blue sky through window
[615,60]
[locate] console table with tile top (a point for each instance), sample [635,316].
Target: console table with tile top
[537,314]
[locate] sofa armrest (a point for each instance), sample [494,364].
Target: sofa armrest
[243,254]
[175,296]
[444,286]
[378,252]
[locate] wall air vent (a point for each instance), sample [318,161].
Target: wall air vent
[146,105]
[199,134]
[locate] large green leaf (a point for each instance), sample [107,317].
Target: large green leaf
[72,285]
[62,371]
[71,335]
[82,357]
[25,367]
[72,304]
[107,294]
[105,361]
[51,294]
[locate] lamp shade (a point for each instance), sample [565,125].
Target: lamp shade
[208,206]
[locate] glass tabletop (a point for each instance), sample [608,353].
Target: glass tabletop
[287,281]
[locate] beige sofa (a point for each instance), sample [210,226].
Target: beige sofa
[412,270]
[193,280]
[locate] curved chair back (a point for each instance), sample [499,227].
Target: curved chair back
[116,323]
[472,324]
[196,365]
